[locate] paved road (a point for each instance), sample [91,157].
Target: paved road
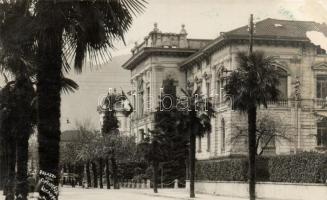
[97,194]
[68,193]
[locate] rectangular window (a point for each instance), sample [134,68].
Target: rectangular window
[208,60]
[134,101]
[142,134]
[208,142]
[218,85]
[198,66]
[282,87]
[223,136]
[208,89]
[268,141]
[322,87]
[322,134]
[199,144]
[141,104]
[148,98]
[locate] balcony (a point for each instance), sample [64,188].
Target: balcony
[313,104]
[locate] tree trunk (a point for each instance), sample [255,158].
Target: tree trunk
[88,174]
[48,95]
[3,163]
[22,186]
[10,184]
[252,117]
[101,172]
[155,177]
[107,173]
[114,171]
[95,174]
[192,163]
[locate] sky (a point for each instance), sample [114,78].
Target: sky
[203,19]
[207,18]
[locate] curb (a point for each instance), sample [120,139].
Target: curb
[163,195]
[166,196]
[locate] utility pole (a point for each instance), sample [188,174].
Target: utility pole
[251,32]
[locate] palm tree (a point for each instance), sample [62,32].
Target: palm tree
[152,149]
[8,140]
[252,84]
[76,30]
[195,120]
[15,58]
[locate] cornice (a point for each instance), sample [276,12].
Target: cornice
[226,39]
[322,66]
[147,51]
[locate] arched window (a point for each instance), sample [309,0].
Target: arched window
[282,84]
[223,135]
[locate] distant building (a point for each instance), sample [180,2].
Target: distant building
[204,63]
[121,108]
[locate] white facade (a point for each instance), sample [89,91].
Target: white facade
[302,113]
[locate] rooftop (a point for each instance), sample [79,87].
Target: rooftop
[157,42]
[267,29]
[282,28]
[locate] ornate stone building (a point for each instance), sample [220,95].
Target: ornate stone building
[152,61]
[301,109]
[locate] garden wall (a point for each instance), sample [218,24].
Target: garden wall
[267,190]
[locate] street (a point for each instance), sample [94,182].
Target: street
[68,193]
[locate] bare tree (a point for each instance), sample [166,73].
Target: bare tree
[269,130]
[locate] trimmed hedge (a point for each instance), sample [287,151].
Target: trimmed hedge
[223,170]
[233,169]
[300,168]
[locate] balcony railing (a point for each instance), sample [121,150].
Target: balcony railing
[315,104]
[279,103]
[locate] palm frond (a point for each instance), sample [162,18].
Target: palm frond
[68,85]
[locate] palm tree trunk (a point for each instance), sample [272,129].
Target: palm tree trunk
[95,174]
[22,160]
[101,172]
[48,96]
[10,184]
[155,177]
[252,117]
[3,163]
[192,163]
[88,174]
[107,173]
[114,171]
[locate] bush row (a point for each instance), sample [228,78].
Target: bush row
[306,167]
[128,170]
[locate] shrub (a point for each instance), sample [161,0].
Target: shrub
[233,169]
[221,170]
[128,170]
[300,168]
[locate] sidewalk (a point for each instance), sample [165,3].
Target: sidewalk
[181,194]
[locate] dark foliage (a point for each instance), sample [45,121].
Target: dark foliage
[305,167]
[128,170]
[300,168]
